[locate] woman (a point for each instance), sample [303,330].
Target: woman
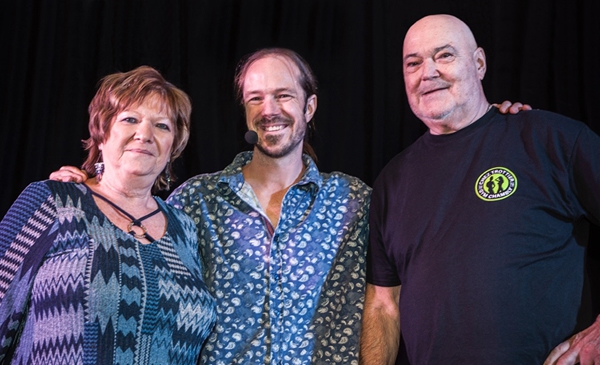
[103,272]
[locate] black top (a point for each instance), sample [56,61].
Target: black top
[486,231]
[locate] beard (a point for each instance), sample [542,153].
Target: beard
[279,150]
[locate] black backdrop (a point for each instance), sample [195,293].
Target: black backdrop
[543,52]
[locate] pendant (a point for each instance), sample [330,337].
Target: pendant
[136,235]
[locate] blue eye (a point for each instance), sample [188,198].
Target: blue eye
[163,126]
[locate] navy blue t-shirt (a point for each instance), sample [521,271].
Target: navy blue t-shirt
[486,230]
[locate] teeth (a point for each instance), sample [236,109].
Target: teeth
[274,128]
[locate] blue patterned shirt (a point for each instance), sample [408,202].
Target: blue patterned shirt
[75,289]
[292,294]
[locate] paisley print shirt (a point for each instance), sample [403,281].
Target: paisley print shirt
[291,294]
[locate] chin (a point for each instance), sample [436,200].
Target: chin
[435,114]
[272,152]
[277,151]
[143,172]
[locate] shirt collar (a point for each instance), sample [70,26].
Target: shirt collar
[232,174]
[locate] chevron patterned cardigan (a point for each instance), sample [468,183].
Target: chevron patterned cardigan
[75,289]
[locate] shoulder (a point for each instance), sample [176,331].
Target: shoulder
[543,120]
[173,211]
[194,189]
[201,181]
[542,128]
[400,163]
[345,185]
[38,188]
[37,208]
[340,178]
[49,189]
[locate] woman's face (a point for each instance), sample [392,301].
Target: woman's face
[139,141]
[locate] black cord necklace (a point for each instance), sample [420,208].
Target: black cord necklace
[135,222]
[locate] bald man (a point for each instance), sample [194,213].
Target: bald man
[478,230]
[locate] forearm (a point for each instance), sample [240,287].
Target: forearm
[380,336]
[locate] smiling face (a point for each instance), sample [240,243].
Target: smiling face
[443,69]
[139,142]
[276,107]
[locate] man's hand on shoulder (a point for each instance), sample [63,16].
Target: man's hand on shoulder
[513,108]
[582,348]
[69,174]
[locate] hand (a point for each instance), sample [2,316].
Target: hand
[513,108]
[68,174]
[582,348]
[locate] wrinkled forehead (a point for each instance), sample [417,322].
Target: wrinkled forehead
[273,72]
[433,32]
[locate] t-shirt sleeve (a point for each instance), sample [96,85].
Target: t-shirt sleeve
[586,173]
[381,268]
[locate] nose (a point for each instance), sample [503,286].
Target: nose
[430,69]
[144,131]
[271,106]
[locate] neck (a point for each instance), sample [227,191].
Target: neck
[271,178]
[133,211]
[274,173]
[131,193]
[457,119]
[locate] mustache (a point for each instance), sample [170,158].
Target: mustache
[430,88]
[273,119]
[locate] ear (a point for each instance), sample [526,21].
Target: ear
[310,107]
[480,62]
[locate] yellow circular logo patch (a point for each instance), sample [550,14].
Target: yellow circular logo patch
[496,183]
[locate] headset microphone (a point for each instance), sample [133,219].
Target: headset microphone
[251,137]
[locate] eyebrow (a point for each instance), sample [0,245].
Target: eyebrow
[435,50]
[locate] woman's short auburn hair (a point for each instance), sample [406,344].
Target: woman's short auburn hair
[121,90]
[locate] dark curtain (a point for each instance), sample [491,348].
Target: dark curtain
[543,52]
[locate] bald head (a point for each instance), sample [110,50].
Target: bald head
[443,69]
[442,27]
